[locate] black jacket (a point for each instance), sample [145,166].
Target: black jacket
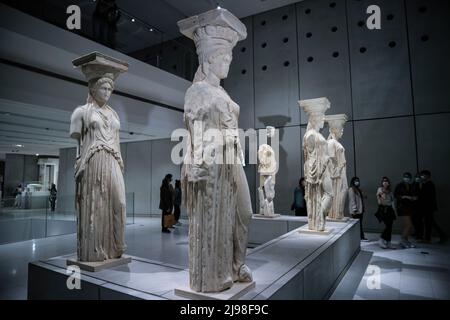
[178,195]
[427,197]
[166,198]
[404,189]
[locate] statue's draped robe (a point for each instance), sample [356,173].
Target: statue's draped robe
[338,175]
[315,167]
[217,232]
[100,190]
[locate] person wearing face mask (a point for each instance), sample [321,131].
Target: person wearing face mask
[417,215]
[428,202]
[405,201]
[385,213]
[356,203]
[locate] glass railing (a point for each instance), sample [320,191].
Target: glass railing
[120,30]
[32,216]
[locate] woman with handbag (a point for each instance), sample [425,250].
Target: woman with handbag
[386,213]
[166,201]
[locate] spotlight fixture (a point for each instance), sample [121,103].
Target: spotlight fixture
[133,20]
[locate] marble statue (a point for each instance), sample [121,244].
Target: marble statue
[337,165]
[318,189]
[266,156]
[100,189]
[266,196]
[217,195]
[267,169]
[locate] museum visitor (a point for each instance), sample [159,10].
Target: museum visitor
[356,203]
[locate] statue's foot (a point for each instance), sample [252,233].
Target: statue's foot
[245,274]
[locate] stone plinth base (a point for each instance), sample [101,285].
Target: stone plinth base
[306,230]
[287,275]
[235,292]
[268,217]
[98,265]
[344,219]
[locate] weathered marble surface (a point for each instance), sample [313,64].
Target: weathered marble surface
[267,168]
[338,165]
[266,196]
[217,196]
[100,189]
[318,190]
[96,266]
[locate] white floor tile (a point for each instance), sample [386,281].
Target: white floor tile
[416,273]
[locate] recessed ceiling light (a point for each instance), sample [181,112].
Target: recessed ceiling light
[151,29]
[133,20]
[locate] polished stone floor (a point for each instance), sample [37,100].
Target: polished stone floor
[144,239]
[420,273]
[402,274]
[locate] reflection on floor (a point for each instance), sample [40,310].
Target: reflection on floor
[14,213]
[420,273]
[26,224]
[416,273]
[144,239]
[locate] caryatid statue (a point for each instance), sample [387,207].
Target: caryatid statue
[100,189]
[267,169]
[318,190]
[337,165]
[217,195]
